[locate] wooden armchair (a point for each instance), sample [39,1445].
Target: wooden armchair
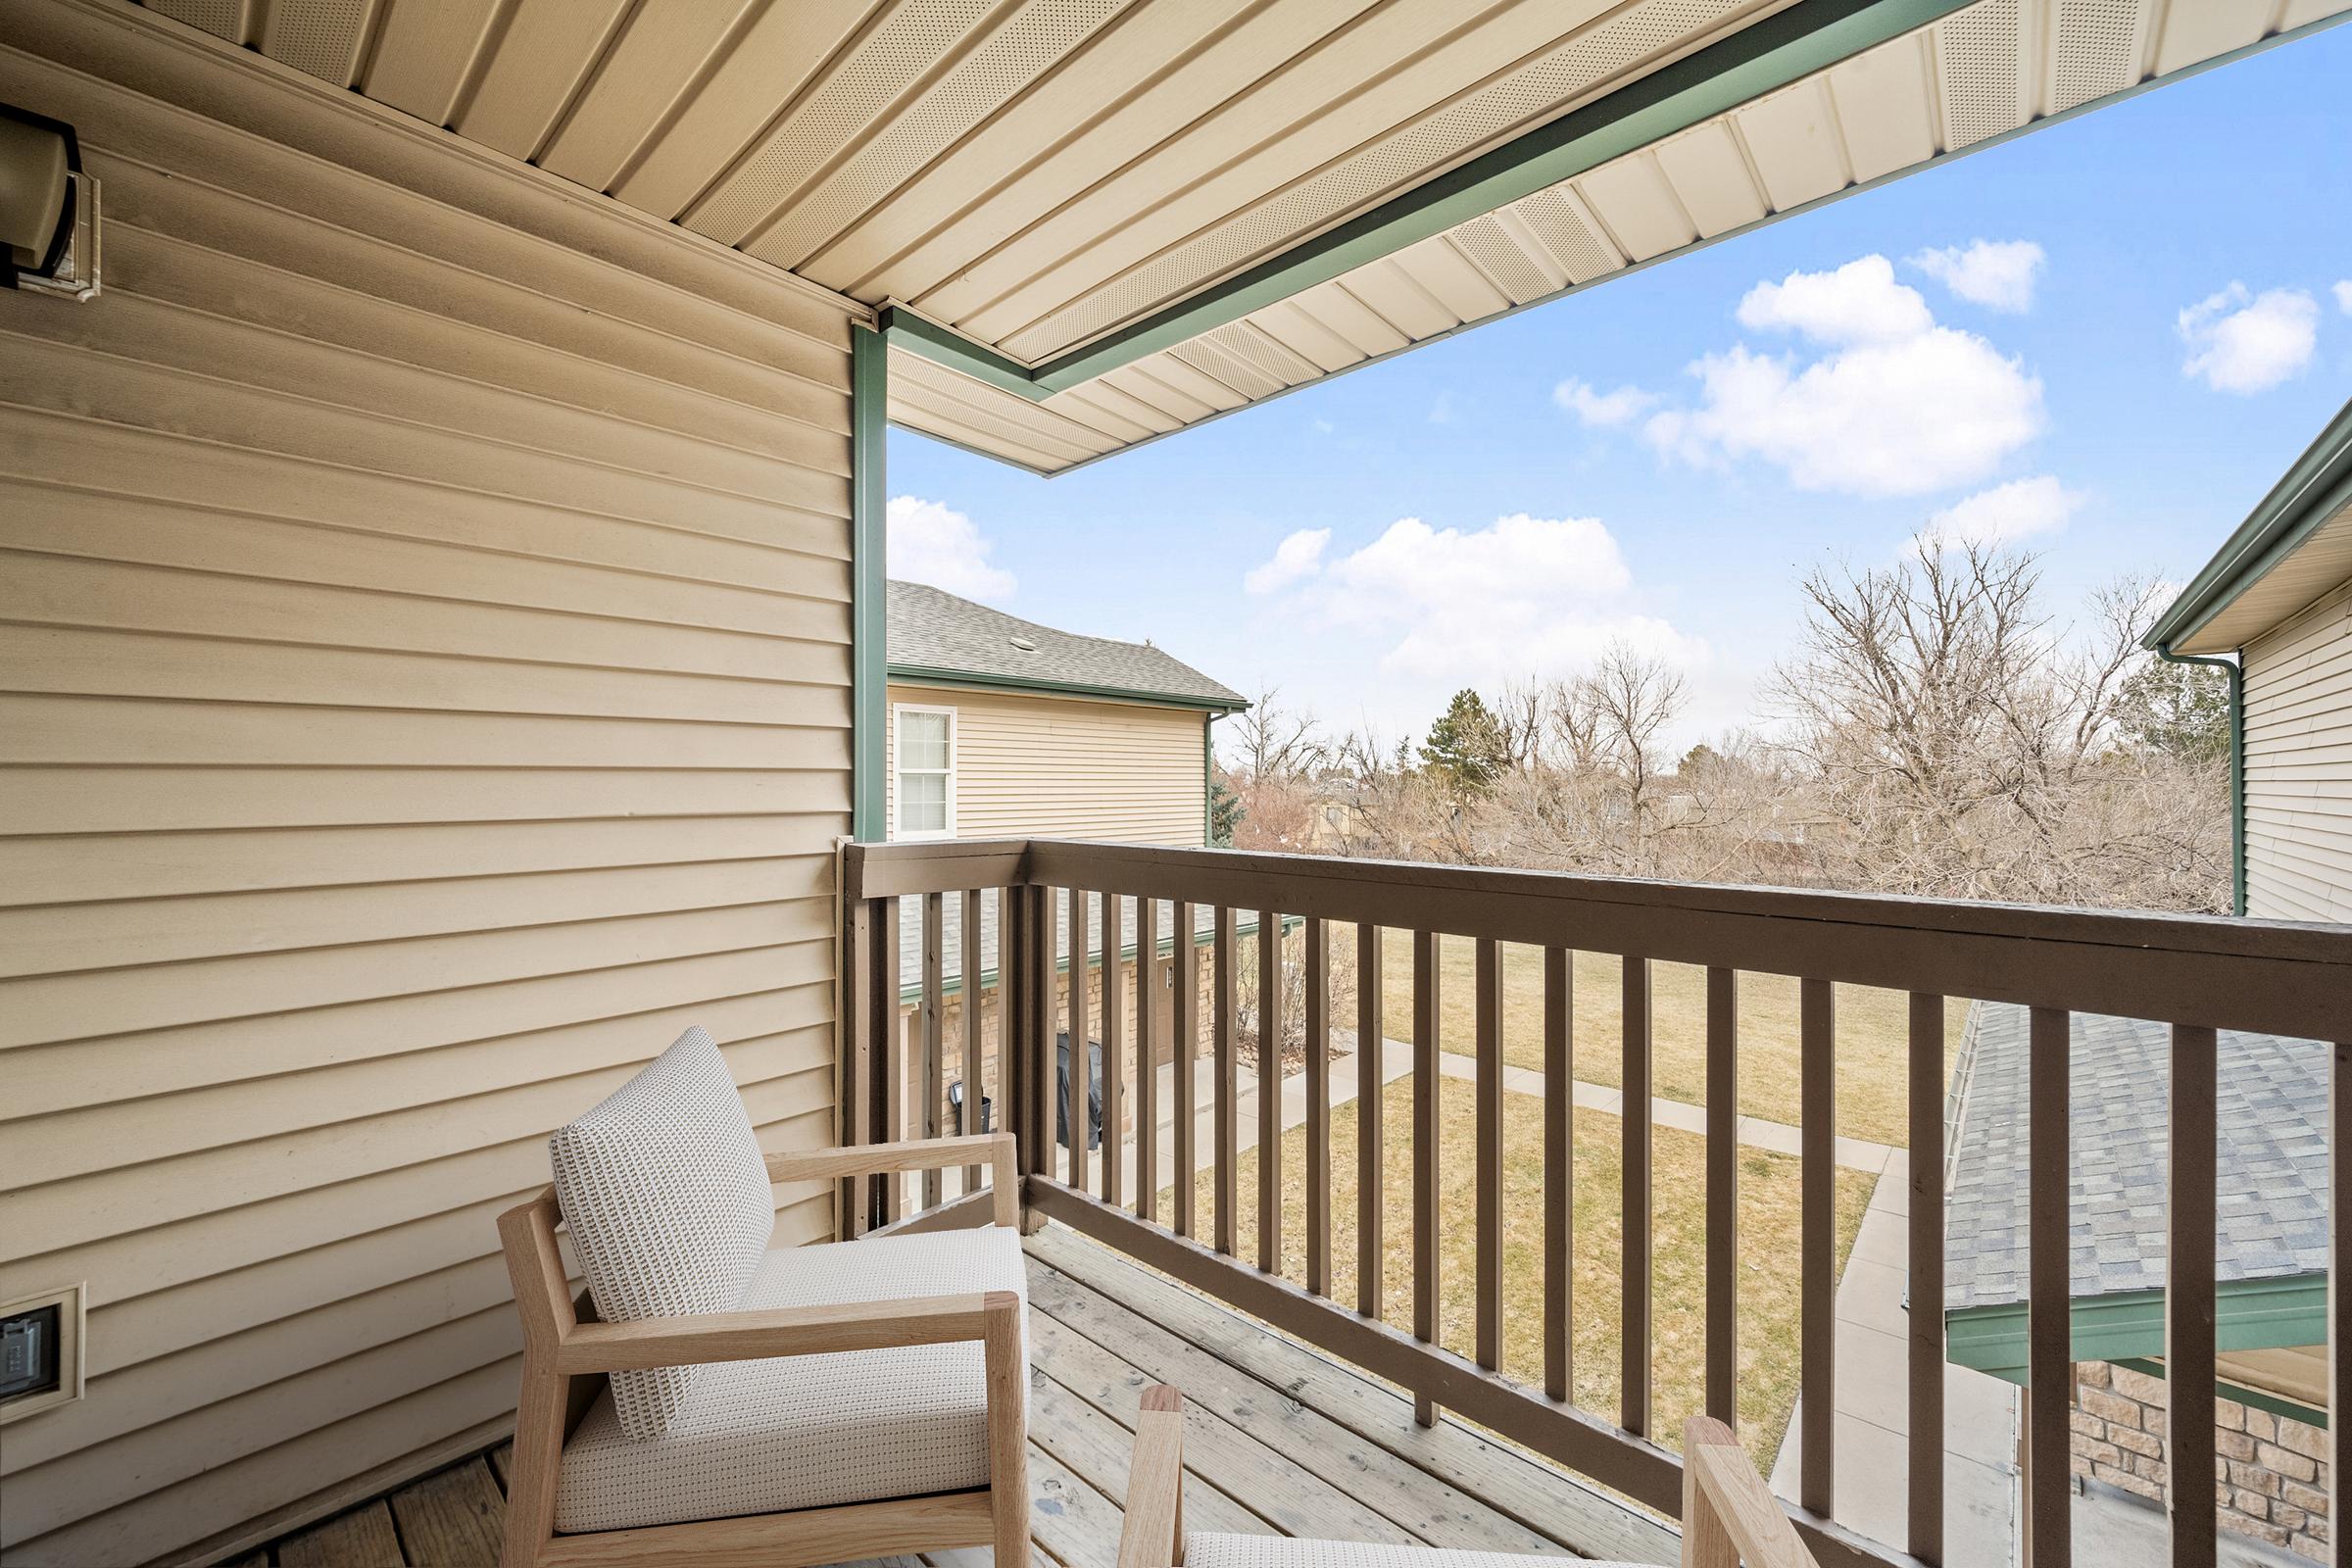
[1728,1514]
[907,1443]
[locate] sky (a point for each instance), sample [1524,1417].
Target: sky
[2102,341]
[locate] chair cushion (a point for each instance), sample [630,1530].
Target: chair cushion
[1204,1549]
[668,1201]
[810,1431]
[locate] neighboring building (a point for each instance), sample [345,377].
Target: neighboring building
[1002,728]
[2277,598]
[2277,595]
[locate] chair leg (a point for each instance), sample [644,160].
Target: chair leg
[1008,1430]
[531,1480]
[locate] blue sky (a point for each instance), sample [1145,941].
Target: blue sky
[1845,409]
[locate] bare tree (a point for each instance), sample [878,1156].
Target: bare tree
[1274,741]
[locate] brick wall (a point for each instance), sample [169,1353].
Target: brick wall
[2270,1473]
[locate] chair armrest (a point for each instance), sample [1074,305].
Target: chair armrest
[998,1151]
[1730,1516]
[1152,1536]
[706,1337]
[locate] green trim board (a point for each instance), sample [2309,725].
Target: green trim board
[1766,55]
[963,680]
[2263,1314]
[2313,489]
[869,587]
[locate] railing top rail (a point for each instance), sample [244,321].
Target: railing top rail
[2276,977]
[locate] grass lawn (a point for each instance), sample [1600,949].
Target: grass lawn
[1873,1029]
[1769,1246]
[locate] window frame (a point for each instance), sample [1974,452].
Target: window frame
[899,830]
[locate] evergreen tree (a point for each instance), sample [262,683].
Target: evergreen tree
[1225,814]
[2181,711]
[1466,744]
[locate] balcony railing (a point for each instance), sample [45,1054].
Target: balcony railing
[2196,974]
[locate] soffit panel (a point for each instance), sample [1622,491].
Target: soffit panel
[2316,567]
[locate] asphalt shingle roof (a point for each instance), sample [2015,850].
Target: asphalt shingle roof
[931,629]
[2273,1158]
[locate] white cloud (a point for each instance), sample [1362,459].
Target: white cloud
[2002,515]
[1998,274]
[1896,404]
[2343,295]
[1440,408]
[1298,556]
[1859,303]
[2246,343]
[1625,403]
[936,544]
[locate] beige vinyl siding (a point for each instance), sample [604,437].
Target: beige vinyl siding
[424,692]
[2299,765]
[1066,767]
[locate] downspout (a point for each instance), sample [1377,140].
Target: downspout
[1209,821]
[2238,765]
[869,577]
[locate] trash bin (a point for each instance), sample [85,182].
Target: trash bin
[988,1110]
[1061,1092]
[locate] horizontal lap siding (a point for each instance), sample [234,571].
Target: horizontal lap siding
[424,692]
[1063,767]
[2299,765]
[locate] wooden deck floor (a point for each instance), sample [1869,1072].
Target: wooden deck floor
[1278,1441]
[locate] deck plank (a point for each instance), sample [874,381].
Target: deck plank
[502,1459]
[1264,1480]
[452,1518]
[364,1537]
[1096,1448]
[1533,1498]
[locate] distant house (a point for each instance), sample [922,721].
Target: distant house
[2277,599]
[999,726]
[1003,727]
[2277,595]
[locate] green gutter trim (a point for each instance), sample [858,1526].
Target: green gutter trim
[1760,58]
[2319,483]
[2264,1314]
[965,680]
[2238,765]
[869,566]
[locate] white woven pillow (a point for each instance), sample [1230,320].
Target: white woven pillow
[668,1202]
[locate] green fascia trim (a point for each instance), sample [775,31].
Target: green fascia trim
[2310,491]
[1758,59]
[2264,1314]
[964,680]
[2276,1404]
[870,570]
[2238,765]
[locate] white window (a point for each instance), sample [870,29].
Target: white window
[923,775]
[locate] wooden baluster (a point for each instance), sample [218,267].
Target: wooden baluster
[2049,1325]
[1559,1175]
[1425,1260]
[1926,1278]
[1082,1069]
[2188,1338]
[1223,1024]
[1044,1016]
[1316,984]
[975,1022]
[1185,1019]
[1723,1196]
[856,1059]
[933,1005]
[1634,1212]
[889,1049]
[1269,1091]
[1817,1247]
[1114,1054]
[2339,1289]
[1014,979]
[1146,1059]
[1489,1005]
[1371,1054]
